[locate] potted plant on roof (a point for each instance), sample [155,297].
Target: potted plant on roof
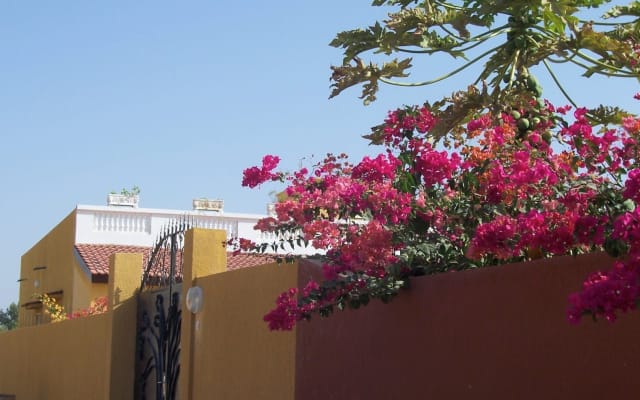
[493,174]
[126,197]
[205,204]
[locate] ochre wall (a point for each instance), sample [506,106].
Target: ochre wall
[55,251]
[495,333]
[235,356]
[63,360]
[84,291]
[84,358]
[232,353]
[124,281]
[483,334]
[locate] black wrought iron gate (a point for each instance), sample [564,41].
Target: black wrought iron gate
[159,318]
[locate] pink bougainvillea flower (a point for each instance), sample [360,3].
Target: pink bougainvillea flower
[606,293]
[486,193]
[255,176]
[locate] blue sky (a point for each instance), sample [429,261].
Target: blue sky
[178,98]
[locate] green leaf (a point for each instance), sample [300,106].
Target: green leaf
[348,75]
[632,9]
[608,115]
[629,205]
[543,30]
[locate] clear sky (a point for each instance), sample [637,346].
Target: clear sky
[178,98]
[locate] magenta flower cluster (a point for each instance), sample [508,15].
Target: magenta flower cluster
[489,192]
[255,176]
[607,293]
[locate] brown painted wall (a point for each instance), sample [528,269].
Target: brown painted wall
[496,333]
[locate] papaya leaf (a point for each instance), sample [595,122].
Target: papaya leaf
[608,115]
[352,74]
[632,9]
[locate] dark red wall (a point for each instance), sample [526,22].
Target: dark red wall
[495,333]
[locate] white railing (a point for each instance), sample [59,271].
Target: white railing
[142,226]
[218,223]
[123,223]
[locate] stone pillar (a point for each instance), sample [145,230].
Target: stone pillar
[125,271]
[205,253]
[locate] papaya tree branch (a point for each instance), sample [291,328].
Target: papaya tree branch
[441,78]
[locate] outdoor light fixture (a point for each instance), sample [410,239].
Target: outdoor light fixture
[194,299]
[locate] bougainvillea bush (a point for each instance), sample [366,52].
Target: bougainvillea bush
[57,313]
[494,193]
[492,174]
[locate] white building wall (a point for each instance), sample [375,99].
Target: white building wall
[142,226]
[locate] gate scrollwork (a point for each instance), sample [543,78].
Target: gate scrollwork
[159,323]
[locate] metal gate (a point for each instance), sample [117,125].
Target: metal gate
[159,317]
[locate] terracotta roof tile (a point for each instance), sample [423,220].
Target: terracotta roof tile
[96,258]
[244,260]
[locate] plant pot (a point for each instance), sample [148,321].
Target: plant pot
[208,204]
[122,200]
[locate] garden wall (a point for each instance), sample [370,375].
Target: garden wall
[484,334]
[234,354]
[84,358]
[227,351]
[64,360]
[496,333]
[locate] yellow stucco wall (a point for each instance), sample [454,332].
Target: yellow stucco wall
[81,287]
[235,356]
[84,291]
[124,275]
[85,358]
[63,360]
[55,252]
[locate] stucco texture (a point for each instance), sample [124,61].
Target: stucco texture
[64,360]
[494,333]
[235,356]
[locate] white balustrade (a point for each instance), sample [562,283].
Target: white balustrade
[141,226]
[118,222]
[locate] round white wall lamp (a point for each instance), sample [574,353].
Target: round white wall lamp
[194,299]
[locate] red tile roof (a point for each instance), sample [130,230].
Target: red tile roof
[95,257]
[244,260]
